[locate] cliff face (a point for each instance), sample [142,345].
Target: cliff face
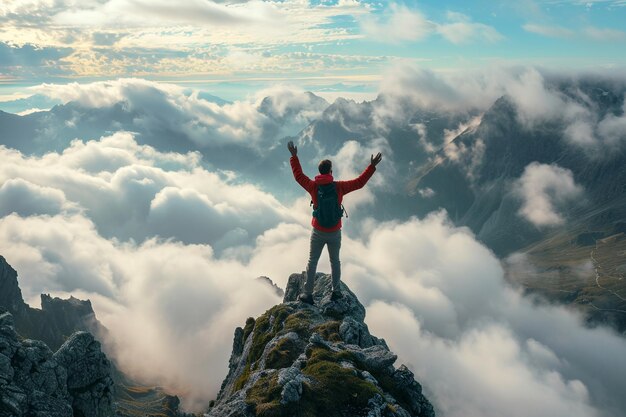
[54,322]
[321,360]
[34,381]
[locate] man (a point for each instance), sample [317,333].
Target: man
[325,233]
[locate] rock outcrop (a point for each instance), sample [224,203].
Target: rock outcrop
[54,322]
[78,378]
[320,360]
[34,381]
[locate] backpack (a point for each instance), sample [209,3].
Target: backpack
[328,211]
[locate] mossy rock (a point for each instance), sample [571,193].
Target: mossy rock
[266,328]
[300,323]
[263,398]
[329,330]
[283,354]
[335,389]
[250,322]
[243,378]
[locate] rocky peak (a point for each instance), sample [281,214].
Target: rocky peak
[303,360]
[11,295]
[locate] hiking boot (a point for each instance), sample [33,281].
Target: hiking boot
[336,295]
[306,298]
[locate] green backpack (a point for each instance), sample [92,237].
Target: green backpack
[328,211]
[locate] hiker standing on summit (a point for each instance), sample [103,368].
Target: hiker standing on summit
[326,196]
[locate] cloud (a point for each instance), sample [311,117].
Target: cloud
[30,59]
[589,32]
[145,14]
[157,107]
[597,133]
[164,302]
[478,346]
[549,31]
[214,22]
[426,192]
[604,34]
[433,291]
[538,97]
[542,187]
[134,191]
[399,23]
[461,29]
[26,199]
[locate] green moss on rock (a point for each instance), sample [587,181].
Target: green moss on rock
[265,328]
[300,323]
[264,397]
[335,390]
[250,322]
[329,330]
[243,378]
[283,354]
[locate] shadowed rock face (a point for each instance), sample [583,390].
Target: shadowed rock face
[57,319]
[320,360]
[74,381]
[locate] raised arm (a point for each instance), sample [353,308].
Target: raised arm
[361,180]
[296,168]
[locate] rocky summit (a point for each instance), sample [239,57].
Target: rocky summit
[315,360]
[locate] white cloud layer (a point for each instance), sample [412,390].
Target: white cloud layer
[134,191]
[256,122]
[479,348]
[542,188]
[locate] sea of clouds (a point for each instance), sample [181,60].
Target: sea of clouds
[168,249]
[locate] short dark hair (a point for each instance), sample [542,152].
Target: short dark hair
[325,166]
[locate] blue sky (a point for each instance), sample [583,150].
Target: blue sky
[231,48]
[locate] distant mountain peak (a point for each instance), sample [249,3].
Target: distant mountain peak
[303,360]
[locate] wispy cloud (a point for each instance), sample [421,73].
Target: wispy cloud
[549,31]
[461,29]
[589,32]
[604,34]
[399,23]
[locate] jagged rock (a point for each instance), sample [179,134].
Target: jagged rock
[267,280]
[88,375]
[291,380]
[74,381]
[11,295]
[355,333]
[298,359]
[54,322]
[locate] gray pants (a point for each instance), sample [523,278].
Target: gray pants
[318,240]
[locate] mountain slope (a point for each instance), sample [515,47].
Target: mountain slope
[321,360]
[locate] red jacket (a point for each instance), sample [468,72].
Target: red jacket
[343,187]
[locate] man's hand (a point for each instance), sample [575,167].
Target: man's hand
[293,149]
[376,159]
